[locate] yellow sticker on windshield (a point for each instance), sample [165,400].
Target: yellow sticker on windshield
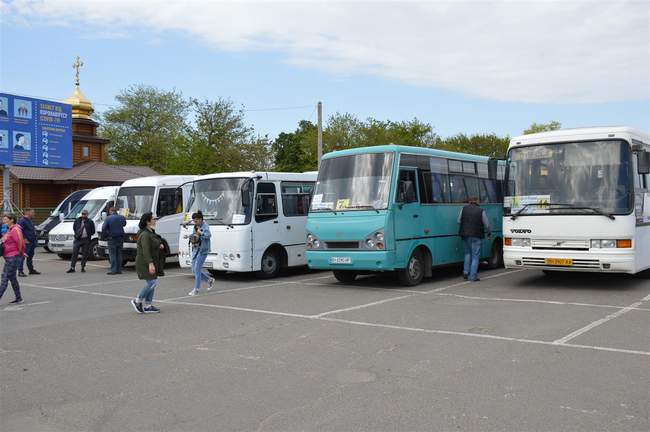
[342,204]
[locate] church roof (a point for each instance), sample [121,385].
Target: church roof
[85,172]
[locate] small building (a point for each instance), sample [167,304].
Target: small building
[43,188]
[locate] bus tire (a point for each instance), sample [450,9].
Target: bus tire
[65,256]
[345,276]
[216,273]
[271,263]
[414,271]
[95,254]
[496,257]
[551,273]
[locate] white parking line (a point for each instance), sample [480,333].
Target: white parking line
[241,309]
[21,306]
[596,323]
[215,291]
[552,302]
[118,281]
[76,291]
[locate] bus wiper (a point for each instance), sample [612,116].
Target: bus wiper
[521,210]
[325,209]
[569,206]
[218,219]
[593,209]
[363,206]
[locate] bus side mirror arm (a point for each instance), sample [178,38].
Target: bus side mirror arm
[643,162]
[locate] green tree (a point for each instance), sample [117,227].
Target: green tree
[479,144]
[146,127]
[296,151]
[543,127]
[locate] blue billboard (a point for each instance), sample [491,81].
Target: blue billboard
[34,132]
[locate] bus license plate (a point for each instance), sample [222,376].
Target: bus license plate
[340,260]
[558,261]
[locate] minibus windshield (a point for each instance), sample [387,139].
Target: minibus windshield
[570,178]
[93,207]
[133,202]
[220,200]
[355,182]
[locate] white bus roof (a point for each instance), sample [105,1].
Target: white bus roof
[265,175]
[104,193]
[581,134]
[165,180]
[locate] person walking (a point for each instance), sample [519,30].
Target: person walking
[29,234]
[113,231]
[200,241]
[84,229]
[12,251]
[148,264]
[473,225]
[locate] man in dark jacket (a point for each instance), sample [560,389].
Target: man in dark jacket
[473,225]
[29,233]
[113,231]
[84,229]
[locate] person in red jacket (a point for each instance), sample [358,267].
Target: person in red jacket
[13,252]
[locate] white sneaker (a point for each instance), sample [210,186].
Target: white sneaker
[210,284]
[193,292]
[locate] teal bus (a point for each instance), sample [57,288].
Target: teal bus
[395,208]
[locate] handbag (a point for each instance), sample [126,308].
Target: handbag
[2,247]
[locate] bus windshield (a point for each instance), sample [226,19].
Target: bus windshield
[220,200]
[355,182]
[92,206]
[570,178]
[133,202]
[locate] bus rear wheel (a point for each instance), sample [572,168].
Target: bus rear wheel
[345,276]
[414,271]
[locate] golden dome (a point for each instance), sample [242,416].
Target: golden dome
[82,107]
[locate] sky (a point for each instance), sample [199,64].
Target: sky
[464,67]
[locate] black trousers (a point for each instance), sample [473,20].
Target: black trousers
[82,245]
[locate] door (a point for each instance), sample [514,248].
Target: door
[169,211]
[296,197]
[407,213]
[267,226]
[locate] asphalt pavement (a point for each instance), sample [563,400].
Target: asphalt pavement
[517,351]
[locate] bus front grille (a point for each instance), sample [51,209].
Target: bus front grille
[577,263]
[342,245]
[560,244]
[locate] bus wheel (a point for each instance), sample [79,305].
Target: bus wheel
[496,257]
[95,254]
[271,264]
[345,276]
[216,273]
[414,271]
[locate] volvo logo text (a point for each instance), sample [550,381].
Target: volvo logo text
[521,231]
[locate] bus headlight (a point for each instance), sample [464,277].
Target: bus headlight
[231,256]
[611,243]
[520,242]
[375,241]
[379,236]
[370,243]
[313,242]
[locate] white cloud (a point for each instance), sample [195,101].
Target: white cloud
[510,51]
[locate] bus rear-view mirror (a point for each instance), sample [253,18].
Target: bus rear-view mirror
[643,162]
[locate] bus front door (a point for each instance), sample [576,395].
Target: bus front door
[407,214]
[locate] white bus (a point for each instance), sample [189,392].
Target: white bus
[579,200]
[257,220]
[96,202]
[160,195]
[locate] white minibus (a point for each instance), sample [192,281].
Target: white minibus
[579,200]
[257,220]
[96,202]
[160,195]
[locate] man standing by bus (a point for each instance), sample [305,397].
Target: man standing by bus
[113,231]
[474,224]
[29,233]
[84,229]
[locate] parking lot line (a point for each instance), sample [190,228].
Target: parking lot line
[75,291]
[214,291]
[597,323]
[553,302]
[21,306]
[241,309]
[116,281]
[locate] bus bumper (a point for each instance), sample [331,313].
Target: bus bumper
[216,261]
[616,261]
[358,260]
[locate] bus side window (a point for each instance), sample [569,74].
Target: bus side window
[296,198]
[457,188]
[266,204]
[424,179]
[472,187]
[440,188]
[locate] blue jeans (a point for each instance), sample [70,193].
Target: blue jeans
[30,249]
[9,275]
[115,254]
[146,293]
[472,256]
[197,269]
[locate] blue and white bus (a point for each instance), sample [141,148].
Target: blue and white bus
[395,208]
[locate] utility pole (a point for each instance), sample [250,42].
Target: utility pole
[320,132]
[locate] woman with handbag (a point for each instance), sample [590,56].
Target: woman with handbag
[13,249]
[200,241]
[147,264]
